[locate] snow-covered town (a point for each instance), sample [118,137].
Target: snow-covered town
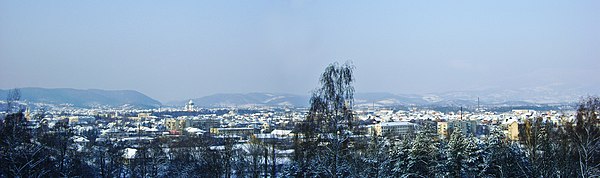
[265,141]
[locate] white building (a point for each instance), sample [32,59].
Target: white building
[190,106]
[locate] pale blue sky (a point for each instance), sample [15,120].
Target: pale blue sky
[175,50]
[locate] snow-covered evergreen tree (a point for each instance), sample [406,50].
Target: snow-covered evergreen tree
[473,162]
[503,159]
[399,157]
[493,155]
[422,156]
[455,153]
[376,159]
[441,169]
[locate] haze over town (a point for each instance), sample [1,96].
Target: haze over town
[188,49]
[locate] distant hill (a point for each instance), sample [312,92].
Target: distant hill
[278,99]
[490,97]
[86,98]
[248,99]
[387,99]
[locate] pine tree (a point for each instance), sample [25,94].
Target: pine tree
[399,157]
[455,153]
[493,156]
[422,158]
[375,160]
[502,159]
[473,162]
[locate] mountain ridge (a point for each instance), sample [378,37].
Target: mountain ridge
[86,97]
[116,98]
[524,96]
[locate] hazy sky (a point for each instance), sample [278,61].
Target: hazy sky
[173,50]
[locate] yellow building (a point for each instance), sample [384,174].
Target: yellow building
[392,128]
[513,131]
[442,128]
[175,125]
[73,119]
